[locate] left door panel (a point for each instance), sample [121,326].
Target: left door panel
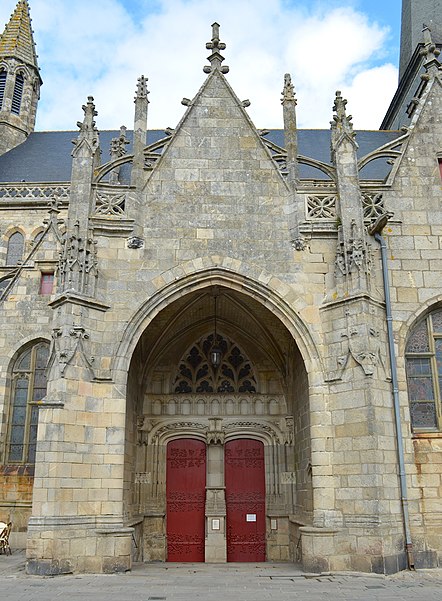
[185,493]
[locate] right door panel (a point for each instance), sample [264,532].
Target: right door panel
[245,500]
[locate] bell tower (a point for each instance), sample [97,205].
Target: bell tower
[20,79]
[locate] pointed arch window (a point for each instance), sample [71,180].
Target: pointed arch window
[28,387]
[16,245]
[18,93]
[196,373]
[424,372]
[3,75]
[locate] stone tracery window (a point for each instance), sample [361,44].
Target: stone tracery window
[424,372]
[28,386]
[195,373]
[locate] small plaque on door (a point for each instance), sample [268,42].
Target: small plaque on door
[251,517]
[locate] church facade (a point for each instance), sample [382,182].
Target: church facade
[223,344]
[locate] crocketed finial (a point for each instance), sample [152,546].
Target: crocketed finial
[430,51]
[142,90]
[288,93]
[341,119]
[215,58]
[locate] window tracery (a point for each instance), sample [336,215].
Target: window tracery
[28,387]
[424,372]
[196,374]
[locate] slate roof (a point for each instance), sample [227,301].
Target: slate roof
[46,156]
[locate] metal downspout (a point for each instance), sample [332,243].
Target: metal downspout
[379,225]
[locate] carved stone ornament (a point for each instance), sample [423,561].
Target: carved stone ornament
[364,346]
[288,93]
[256,426]
[216,57]
[144,427]
[156,435]
[67,344]
[135,242]
[142,90]
[288,428]
[215,435]
[300,243]
[87,143]
[353,257]
[117,150]
[78,264]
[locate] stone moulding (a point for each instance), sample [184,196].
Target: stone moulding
[275,432]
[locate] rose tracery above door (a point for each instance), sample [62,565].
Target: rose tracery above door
[196,374]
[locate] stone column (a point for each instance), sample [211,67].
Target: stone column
[216,550]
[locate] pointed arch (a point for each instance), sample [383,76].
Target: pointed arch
[423,367]
[15,248]
[275,295]
[27,387]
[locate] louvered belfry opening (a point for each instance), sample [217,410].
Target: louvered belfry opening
[18,93]
[3,75]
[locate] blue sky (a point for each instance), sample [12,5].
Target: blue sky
[100,48]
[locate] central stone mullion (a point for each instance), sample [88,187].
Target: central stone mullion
[215,548]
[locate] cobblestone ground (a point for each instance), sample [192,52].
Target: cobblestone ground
[209,582]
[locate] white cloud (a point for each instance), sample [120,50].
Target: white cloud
[368,110]
[99,48]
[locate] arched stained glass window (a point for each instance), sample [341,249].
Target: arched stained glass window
[197,375]
[28,386]
[3,75]
[17,94]
[16,245]
[424,372]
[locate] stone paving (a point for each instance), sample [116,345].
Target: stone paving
[211,582]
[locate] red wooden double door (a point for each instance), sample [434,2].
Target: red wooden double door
[245,500]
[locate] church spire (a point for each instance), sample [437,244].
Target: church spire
[17,40]
[20,79]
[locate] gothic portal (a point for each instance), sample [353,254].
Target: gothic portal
[215,457]
[221,343]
